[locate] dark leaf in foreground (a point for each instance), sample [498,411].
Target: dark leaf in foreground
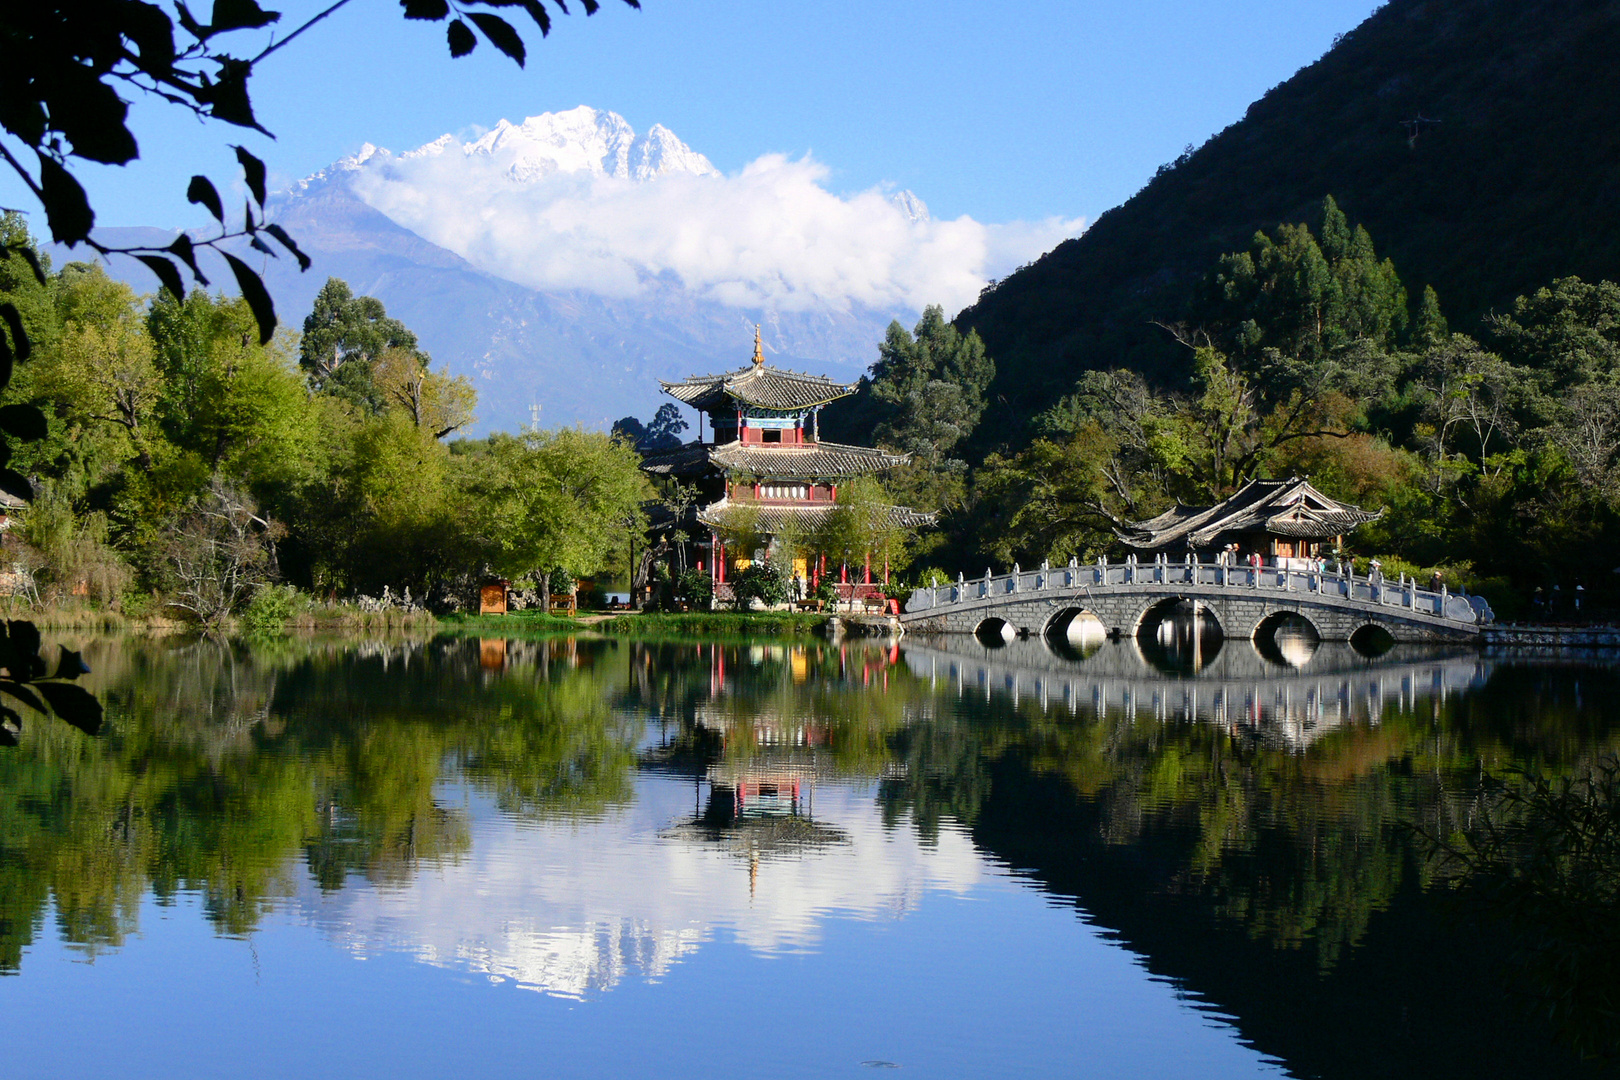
[500,34]
[186,252]
[74,704]
[23,693]
[19,336]
[253,291]
[30,257]
[253,173]
[542,18]
[241,15]
[431,10]
[167,273]
[15,483]
[67,209]
[71,665]
[201,191]
[24,422]
[287,242]
[461,39]
[25,643]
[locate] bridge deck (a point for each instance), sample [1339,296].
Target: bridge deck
[1240,598]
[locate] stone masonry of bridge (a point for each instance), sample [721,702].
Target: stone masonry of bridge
[1239,599]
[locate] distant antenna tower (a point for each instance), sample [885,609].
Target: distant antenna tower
[1414,127]
[534,415]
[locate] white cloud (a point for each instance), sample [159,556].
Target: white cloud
[771,236]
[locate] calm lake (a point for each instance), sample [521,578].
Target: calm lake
[622,858]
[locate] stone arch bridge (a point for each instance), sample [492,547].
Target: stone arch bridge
[1241,600]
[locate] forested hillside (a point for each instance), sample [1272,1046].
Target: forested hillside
[1503,185]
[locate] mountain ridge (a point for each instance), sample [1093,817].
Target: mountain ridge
[1478,142]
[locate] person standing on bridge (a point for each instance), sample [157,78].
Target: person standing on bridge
[1436,579]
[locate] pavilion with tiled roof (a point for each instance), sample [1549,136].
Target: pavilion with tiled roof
[766,457]
[1276,519]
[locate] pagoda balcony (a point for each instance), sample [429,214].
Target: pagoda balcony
[768,494]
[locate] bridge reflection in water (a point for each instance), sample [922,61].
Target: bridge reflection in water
[1287,690]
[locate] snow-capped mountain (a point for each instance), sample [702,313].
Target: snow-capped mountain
[578,140]
[566,261]
[585,140]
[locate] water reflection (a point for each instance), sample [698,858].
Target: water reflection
[1179,637]
[1287,639]
[572,814]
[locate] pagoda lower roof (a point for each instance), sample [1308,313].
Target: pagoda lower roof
[777,518]
[760,386]
[1291,507]
[808,461]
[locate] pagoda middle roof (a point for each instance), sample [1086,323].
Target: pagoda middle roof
[761,386]
[777,518]
[808,461]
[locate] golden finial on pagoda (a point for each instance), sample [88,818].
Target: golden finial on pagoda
[759,347]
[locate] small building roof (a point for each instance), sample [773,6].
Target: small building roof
[1292,508]
[760,386]
[808,461]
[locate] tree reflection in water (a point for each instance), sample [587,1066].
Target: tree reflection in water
[1241,830]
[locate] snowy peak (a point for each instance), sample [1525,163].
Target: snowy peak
[660,153]
[581,140]
[914,208]
[586,140]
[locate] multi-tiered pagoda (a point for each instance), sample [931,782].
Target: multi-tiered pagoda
[766,455]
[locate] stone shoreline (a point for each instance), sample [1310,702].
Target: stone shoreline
[1551,637]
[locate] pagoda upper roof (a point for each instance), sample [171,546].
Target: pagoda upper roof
[759,385]
[807,461]
[1291,507]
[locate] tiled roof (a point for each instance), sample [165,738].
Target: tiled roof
[689,460]
[811,461]
[758,385]
[1289,507]
[776,518]
[808,462]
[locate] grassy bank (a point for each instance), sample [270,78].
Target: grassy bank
[716,622]
[514,622]
[311,617]
[78,617]
[338,617]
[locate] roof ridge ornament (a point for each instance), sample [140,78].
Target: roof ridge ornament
[759,348]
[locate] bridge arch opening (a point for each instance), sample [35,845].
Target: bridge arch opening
[1074,633]
[993,633]
[1372,640]
[1287,638]
[1178,635]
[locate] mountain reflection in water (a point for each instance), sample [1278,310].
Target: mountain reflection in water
[573,815]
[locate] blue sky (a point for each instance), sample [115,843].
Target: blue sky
[1002,111]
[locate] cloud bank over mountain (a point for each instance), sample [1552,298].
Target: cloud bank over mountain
[578,201]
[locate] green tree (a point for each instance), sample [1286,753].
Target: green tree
[928,387]
[863,523]
[548,499]
[101,370]
[344,338]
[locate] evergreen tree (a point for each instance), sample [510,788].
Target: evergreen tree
[344,337]
[1431,328]
[932,382]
